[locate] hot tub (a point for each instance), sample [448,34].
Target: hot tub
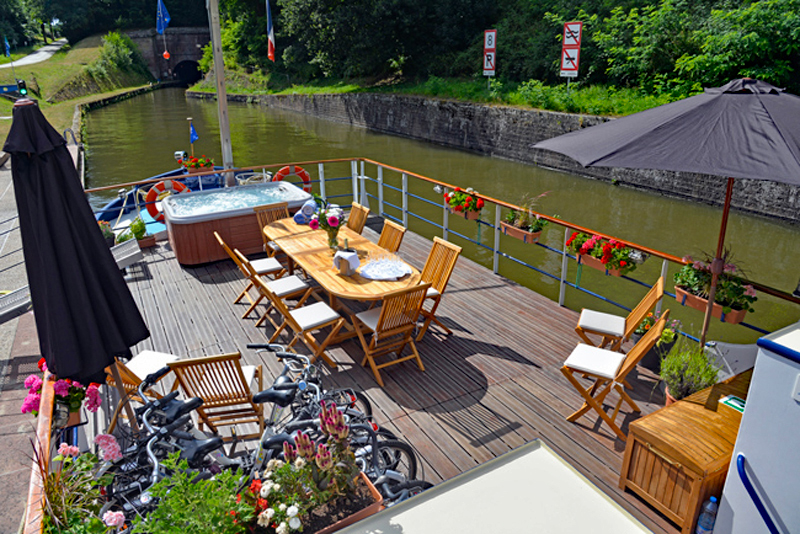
[192,219]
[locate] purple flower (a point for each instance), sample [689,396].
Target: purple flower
[61,388]
[324,458]
[289,452]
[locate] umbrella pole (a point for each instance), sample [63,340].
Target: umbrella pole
[123,396]
[717,265]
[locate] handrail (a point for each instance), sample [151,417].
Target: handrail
[34,510]
[740,467]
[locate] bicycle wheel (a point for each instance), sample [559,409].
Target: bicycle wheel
[392,455]
[405,490]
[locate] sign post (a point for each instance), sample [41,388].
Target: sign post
[571,49]
[489,53]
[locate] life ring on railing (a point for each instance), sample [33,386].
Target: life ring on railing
[159,192]
[294,170]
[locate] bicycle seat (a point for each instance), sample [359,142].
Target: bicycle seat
[276,442]
[175,409]
[194,451]
[282,398]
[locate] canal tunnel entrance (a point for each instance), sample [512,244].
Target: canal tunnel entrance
[187,72]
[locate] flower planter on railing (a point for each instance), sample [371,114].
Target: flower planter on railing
[195,170]
[468,215]
[699,303]
[594,263]
[519,233]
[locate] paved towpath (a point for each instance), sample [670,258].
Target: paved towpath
[42,54]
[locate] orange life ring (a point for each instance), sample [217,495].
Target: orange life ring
[160,191]
[294,170]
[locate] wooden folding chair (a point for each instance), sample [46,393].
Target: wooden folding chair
[438,268]
[286,287]
[613,328]
[224,385]
[262,267]
[132,374]
[357,218]
[392,327]
[268,214]
[608,369]
[391,236]
[303,320]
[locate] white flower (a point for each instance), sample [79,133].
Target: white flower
[299,463]
[292,511]
[276,487]
[270,512]
[294,523]
[265,489]
[282,528]
[282,507]
[265,517]
[470,190]
[333,206]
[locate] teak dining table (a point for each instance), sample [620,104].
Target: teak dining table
[309,250]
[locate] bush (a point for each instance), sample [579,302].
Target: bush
[687,369]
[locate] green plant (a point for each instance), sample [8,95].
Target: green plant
[687,369]
[611,253]
[137,230]
[668,335]
[196,163]
[733,293]
[526,218]
[198,506]
[463,200]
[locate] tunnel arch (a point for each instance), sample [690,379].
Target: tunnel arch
[187,72]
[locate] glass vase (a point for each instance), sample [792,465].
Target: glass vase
[333,238]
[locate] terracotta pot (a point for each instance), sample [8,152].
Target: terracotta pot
[198,169]
[699,303]
[595,263]
[519,233]
[670,400]
[373,508]
[63,418]
[468,215]
[147,241]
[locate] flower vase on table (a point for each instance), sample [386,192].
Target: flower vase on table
[330,218]
[333,238]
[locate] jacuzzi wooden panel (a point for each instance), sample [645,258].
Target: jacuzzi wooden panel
[194,243]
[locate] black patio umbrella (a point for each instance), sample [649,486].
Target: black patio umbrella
[744,129]
[85,313]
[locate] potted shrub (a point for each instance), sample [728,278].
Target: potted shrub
[201,164]
[687,369]
[607,255]
[464,202]
[524,224]
[138,230]
[734,297]
[669,336]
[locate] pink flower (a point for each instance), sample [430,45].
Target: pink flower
[729,268]
[313,224]
[109,447]
[333,222]
[699,265]
[61,388]
[68,450]
[33,383]
[687,259]
[31,403]
[749,291]
[114,519]
[93,400]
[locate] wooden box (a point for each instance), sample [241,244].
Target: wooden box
[677,457]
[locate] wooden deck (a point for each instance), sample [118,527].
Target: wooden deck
[490,387]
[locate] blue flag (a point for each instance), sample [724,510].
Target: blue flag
[8,47]
[193,134]
[162,17]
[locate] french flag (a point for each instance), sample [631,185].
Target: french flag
[271,35]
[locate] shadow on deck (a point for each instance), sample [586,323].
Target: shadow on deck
[492,386]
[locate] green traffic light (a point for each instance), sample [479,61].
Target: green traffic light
[22,88]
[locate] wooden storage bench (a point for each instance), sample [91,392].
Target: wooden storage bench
[678,457]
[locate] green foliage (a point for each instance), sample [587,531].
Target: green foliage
[526,218]
[197,506]
[733,293]
[118,54]
[687,369]
[137,230]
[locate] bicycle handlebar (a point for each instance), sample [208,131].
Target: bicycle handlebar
[288,386]
[156,403]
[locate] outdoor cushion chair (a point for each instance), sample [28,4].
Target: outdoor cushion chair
[132,374]
[268,214]
[286,287]
[608,369]
[391,236]
[357,218]
[224,386]
[392,327]
[262,267]
[303,321]
[438,268]
[615,329]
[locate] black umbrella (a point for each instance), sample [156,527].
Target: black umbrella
[744,129]
[85,313]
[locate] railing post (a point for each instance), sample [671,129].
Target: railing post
[664,268]
[562,290]
[380,190]
[445,218]
[495,253]
[354,175]
[321,168]
[405,200]
[363,191]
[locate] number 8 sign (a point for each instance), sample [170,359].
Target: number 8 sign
[489,40]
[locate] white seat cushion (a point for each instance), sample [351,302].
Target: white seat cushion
[266,265]
[314,315]
[286,286]
[370,318]
[594,360]
[602,323]
[431,293]
[249,372]
[149,361]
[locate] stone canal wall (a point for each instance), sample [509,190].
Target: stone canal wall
[508,132]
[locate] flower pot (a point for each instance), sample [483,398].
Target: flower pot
[669,399]
[373,508]
[63,418]
[518,233]
[699,303]
[652,359]
[468,215]
[595,263]
[193,170]
[147,241]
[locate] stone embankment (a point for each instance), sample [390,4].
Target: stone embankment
[508,132]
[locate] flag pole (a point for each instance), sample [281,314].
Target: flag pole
[191,142]
[222,95]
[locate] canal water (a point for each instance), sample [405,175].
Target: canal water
[135,139]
